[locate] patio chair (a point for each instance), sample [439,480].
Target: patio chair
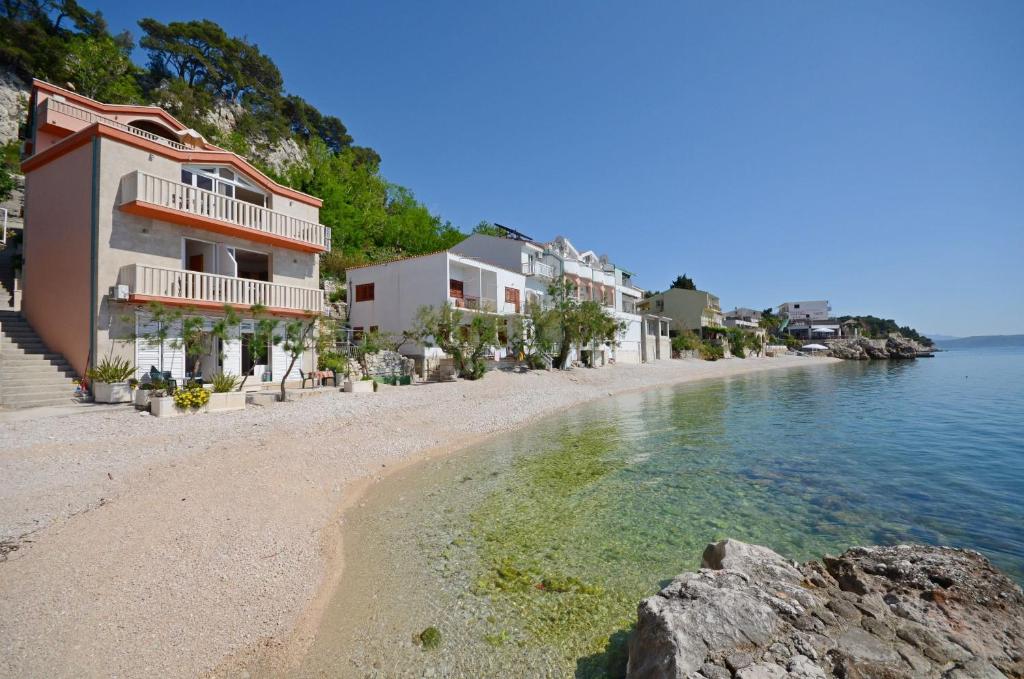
[328,375]
[307,377]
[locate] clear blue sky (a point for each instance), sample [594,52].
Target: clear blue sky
[870,153]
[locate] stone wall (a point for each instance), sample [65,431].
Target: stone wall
[387,363]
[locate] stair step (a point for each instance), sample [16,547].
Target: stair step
[40,402]
[44,379]
[34,394]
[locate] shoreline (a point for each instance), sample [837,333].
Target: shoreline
[233,534]
[287,655]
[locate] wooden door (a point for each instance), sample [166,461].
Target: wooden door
[512,297]
[195,263]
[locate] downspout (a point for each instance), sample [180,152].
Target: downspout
[94,250]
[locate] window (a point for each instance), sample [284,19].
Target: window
[374,328]
[223,181]
[455,289]
[357,333]
[364,292]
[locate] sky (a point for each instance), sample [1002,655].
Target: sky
[869,153]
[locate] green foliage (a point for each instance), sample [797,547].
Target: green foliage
[332,361]
[534,336]
[370,343]
[872,326]
[683,282]
[429,638]
[710,351]
[487,229]
[466,343]
[224,382]
[102,69]
[111,370]
[769,320]
[739,341]
[299,337]
[685,341]
[580,323]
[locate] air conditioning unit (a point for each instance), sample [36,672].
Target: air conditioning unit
[121,292]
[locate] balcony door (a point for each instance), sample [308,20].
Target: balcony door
[205,257]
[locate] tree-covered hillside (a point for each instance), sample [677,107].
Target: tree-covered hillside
[873,326]
[204,77]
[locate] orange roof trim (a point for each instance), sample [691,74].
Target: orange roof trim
[109,108]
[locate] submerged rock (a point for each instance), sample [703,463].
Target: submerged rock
[890,612]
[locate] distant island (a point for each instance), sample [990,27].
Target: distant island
[983,341]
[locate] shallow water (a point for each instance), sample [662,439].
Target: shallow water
[529,553]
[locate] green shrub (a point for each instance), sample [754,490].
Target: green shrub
[710,351]
[224,382]
[429,638]
[686,341]
[111,370]
[330,360]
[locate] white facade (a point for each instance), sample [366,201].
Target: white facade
[815,310]
[387,296]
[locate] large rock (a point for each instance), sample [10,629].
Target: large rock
[14,94]
[887,612]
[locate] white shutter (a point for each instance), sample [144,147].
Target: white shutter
[233,353]
[147,352]
[279,360]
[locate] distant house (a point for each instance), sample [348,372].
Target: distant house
[690,310]
[741,317]
[809,319]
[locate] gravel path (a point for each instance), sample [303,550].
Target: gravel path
[158,547]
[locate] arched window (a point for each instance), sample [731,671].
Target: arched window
[225,181]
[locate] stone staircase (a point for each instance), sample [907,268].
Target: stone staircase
[30,374]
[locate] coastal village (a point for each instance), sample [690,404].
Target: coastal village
[191,280]
[263,413]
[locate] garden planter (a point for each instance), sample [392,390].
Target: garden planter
[359,386]
[111,392]
[142,399]
[163,406]
[231,400]
[405,380]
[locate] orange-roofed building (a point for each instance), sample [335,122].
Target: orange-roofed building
[124,205]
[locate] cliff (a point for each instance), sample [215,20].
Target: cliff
[887,612]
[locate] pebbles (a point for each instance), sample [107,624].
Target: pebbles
[144,583]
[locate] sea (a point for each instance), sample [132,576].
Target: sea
[527,555]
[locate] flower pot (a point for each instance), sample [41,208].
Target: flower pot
[163,406]
[142,399]
[231,400]
[359,386]
[111,392]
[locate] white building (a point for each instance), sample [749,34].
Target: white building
[815,310]
[387,296]
[593,276]
[809,319]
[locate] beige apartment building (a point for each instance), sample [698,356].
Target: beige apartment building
[689,309]
[125,206]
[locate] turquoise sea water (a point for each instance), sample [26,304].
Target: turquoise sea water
[531,551]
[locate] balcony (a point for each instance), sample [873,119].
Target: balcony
[211,291]
[169,200]
[55,113]
[538,269]
[473,303]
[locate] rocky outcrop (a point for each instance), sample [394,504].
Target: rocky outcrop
[862,348]
[14,93]
[886,612]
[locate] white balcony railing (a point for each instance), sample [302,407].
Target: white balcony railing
[194,286]
[86,116]
[539,269]
[146,188]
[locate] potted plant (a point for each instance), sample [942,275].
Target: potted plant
[144,392]
[161,402]
[110,380]
[225,396]
[192,398]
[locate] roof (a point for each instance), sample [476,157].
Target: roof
[450,251]
[208,154]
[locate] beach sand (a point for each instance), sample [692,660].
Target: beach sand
[204,544]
